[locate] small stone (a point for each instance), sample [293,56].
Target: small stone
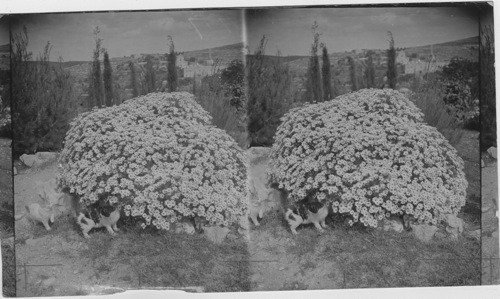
[424,232]
[482,164]
[493,152]
[455,226]
[393,224]
[14,170]
[48,282]
[215,234]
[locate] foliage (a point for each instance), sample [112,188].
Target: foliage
[314,90]
[95,91]
[487,94]
[370,71]
[461,79]
[108,81]
[150,76]
[171,68]
[213,96]
[424,95]
[133,80]
[269,95]
[232,79]
[353,73]
[326,75]
[392,73]
[160,157]
[370,155]
[41,99]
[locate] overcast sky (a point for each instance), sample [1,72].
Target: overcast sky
[125,33]
[288,30]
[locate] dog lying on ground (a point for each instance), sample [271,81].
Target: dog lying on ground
[99,215]
[305,212]
[38,214]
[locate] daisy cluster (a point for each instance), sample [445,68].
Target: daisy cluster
[160,158]
[370,155]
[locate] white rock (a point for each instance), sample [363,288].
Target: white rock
[482,164]
[14,170]
[184,228]
[455,225]
[493,152]
[393,224]
[424,232]
[38,159]
[215,234]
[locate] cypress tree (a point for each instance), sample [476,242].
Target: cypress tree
[108,80]
[370,71]
[392,75]
[133,80]
[95,86]
[314,90]
[353,73]
[150,76]
[171,68]
[327,76]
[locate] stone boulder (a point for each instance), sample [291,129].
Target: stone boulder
[38,159]
[184,228]
[393,224]
[424,232]
[454,226]
[493,152]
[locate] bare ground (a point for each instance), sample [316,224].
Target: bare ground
[357,257]
[62,262]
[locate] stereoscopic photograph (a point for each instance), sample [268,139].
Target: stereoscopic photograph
[248,149]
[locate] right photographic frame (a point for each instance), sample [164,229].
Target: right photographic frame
[372,139]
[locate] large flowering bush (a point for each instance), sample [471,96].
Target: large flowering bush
[369,154]
[158,156]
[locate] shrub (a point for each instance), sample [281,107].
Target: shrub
[425,95]
[369,154]
[270,94]
[42,99]
[461,78]
[158,156]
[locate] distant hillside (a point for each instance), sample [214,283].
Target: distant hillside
[223,54]
[5,48]
[467,48]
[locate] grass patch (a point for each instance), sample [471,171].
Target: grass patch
[165,259]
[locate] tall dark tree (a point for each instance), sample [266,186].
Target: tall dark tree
[353,74]
[108,81]
[150,76]
[314,91]
[370,71]
[41,93]
[95,82]
[171,68]
[269,92]
[327,76]
[133,80]
[392,74]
